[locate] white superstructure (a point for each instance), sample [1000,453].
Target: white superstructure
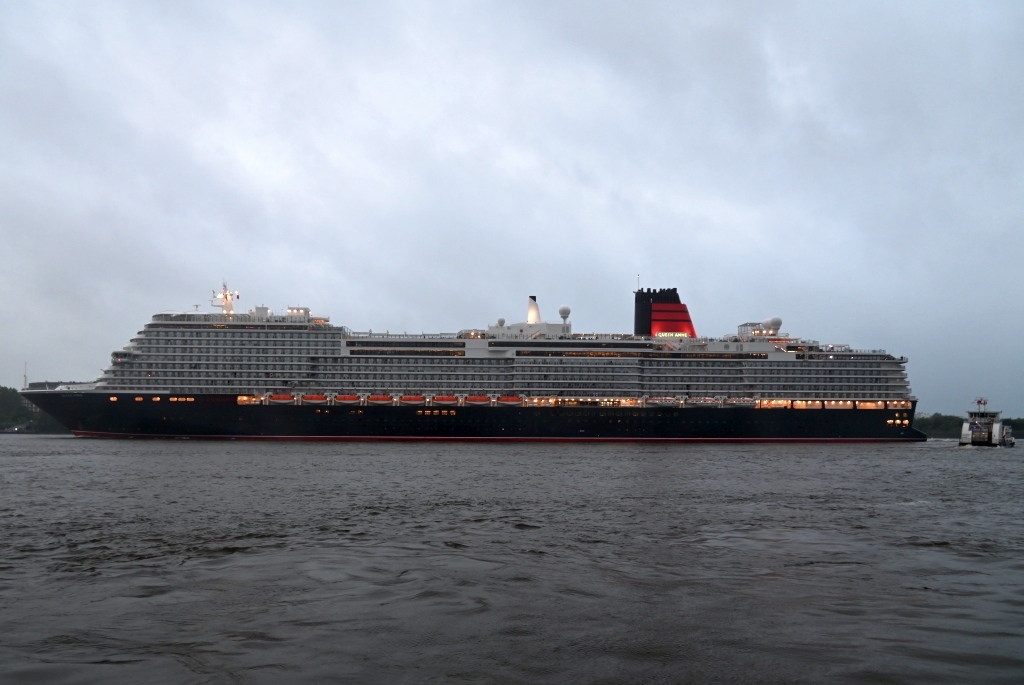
[261,352]
[984,428]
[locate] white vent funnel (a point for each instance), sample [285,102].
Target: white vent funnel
[533,311]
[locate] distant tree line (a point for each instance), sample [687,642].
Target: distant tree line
[15,414]
[946,426]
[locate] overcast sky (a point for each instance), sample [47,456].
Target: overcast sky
[856,169]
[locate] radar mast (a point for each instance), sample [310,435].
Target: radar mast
[225,299]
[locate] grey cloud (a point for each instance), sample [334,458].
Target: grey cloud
[854,169]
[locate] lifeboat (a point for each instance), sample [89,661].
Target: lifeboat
[445,400]
[314,399]
[412,400]
[478,400]
[282,399]
[380,399]
[662,402]
[748,402]
[346,399]
[510,401]
[701,402]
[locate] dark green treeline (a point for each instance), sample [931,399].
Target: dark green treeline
[15,414]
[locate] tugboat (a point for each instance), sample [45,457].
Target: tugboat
[984,429]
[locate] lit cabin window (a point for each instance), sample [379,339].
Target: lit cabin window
[138,399]
[156,399]
[190,399]
[871,405]
[113,399]
[173,399]
[838,404]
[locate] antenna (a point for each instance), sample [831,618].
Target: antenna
[638,281]
[24,378]
[224,299]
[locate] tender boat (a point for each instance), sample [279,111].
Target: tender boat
[984,428]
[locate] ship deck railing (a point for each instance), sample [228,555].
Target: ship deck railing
[402,336]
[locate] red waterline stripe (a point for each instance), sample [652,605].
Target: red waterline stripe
[407,438]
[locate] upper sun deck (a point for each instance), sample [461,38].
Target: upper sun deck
[751,337]
[225,299]
[298,315]
[299,318]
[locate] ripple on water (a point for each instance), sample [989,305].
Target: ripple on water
[197,562]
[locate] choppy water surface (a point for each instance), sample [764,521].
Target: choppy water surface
[197,562]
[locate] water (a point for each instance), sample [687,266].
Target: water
[203,562]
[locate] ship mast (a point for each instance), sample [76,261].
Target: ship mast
[225,299]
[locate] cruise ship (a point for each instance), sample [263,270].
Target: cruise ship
[294,375]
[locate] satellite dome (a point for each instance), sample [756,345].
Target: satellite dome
[776,323]
[501,322]
[563,312]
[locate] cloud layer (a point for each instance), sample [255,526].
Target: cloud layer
[856,170]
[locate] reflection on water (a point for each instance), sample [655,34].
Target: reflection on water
[196,562]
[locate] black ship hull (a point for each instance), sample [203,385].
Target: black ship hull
[221,417]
